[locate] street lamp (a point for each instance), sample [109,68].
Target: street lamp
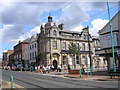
[111,35]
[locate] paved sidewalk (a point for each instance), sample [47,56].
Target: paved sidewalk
[97,75]
[92,78]
[6,85]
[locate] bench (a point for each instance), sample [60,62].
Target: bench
[74,71]
[112,73]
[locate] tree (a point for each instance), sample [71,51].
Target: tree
[39,58]
[75,50]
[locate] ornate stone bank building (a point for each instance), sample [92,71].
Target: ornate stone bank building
[54,42]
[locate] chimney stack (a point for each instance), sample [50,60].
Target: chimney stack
[61,26]
[19,41]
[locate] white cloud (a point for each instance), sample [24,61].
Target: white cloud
[15,15]
[97,24]
[73,15]
[78,29]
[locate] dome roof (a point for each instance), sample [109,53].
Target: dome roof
[49,24]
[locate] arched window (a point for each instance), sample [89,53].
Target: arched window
[54,33]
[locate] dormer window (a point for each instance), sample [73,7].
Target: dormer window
[54,33]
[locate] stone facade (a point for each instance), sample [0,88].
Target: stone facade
[54,41]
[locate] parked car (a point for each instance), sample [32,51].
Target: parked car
[6,67]
[1,67]
[14,68]
[19,66]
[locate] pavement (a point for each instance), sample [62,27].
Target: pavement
[6,84]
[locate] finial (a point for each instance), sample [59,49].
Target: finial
[87,26]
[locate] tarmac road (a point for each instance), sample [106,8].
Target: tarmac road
[46,82]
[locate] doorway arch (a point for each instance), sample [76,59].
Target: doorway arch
[55,64]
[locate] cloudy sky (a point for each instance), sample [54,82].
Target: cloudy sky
[20,20]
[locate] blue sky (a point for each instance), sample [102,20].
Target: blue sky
[21,21]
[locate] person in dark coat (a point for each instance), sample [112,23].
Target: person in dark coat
[68,67]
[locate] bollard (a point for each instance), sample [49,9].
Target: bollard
[11,80]
[80,73]
[31,68]
[91,71]
[87,72]
[21,69]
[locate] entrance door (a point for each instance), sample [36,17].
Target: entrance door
[55,64]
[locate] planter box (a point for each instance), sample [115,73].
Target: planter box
[74,71]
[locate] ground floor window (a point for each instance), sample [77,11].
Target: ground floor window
[64,60]
[70,60]
[77,60]
[83,60]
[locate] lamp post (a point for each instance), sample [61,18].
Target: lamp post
[88,37]
[111,35]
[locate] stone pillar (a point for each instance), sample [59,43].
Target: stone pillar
[108,62]
[58,60]
[67,59]
[80,60]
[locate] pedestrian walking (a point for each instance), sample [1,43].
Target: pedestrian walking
[48,68]
[41,67]
[52,68]
[35,68]
[68,67]
[44,69]
[83,68]
[59,68]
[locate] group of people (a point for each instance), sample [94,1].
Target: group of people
[48,68]
[45,68]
